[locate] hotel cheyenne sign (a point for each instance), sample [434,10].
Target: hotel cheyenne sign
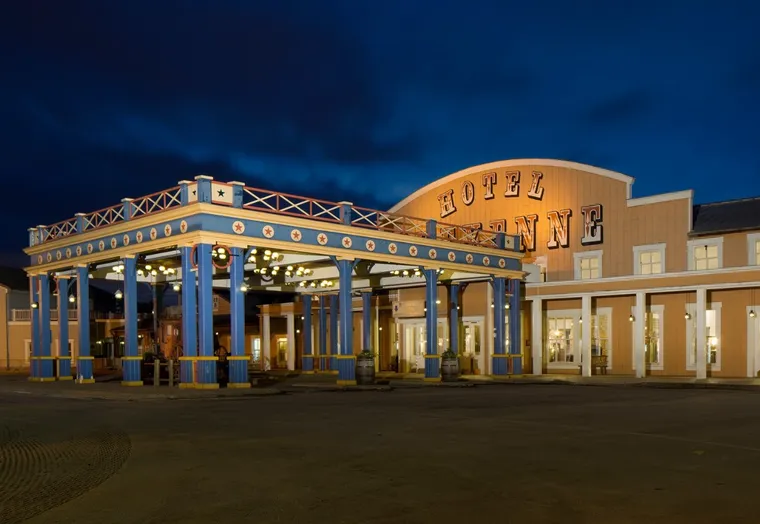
[559,221]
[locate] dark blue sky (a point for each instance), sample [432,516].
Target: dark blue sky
[367,101]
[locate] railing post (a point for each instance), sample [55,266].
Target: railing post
[80,222]
[345,212]
[237,193]
[127,208]
[32,236]
[41,233]
[501,240]
[204,188]
[184,195]
[431,229]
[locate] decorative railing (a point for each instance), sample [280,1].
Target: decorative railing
[155,203]
[271,202]
[284,204]
[102,218]
[388,222]
[25,315]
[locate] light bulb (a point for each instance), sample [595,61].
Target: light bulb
[162,268]
[72,299]
[176,287]
[118,294]
[148,267]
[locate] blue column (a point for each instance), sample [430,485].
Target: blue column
[84,359]
[515,328]
[499,319]
[346,359]
[46,371]
[367,321]
[432,359]
[454,318]
[333,333]
[308,355]
[189,321]
[34,304]
[64,358]
[237,360]
[206,369]
[322,332]
[131,361]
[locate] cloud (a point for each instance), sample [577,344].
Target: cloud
[621,109]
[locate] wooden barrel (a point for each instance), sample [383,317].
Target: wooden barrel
[365,370]
[449,369]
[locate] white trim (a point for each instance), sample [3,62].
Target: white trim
[752,239]
[660,310]
[537,162]
[753,342]
[702,242]
[628,278]
[651,290]
[27,350]
[582,255]
[648,248]
[691,309]
[662,197]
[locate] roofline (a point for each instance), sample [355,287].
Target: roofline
[514,163]
[733,201]
[661,197]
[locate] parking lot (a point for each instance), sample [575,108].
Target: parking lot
[491,453]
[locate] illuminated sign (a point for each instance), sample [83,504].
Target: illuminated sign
[559,220]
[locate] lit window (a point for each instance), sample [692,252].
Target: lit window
[650,263]
[560,346]
[712,336]
[757,251]
[706,257]
[588,265]
[589,268]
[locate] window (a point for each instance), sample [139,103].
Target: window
[601,334]
[649,259]
[712,334]
[588,265]
[753,249]
[706,254]
[653,340]
[560,340]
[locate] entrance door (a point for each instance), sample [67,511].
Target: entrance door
[414,347]
[473,344]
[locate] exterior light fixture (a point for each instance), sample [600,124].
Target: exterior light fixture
[154,272]
[72,299]
[506,306]
[438,301]
[687,316]
[491,305]
[752,313]
[243,288]
[148,267]
[631,318]
[580,320]
[118,294]
[176,286]
[35,305]
[162,268]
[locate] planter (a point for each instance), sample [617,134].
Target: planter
[365,368]
[449,367]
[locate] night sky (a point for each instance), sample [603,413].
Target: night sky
[367,101]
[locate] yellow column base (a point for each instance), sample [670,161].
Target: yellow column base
[436,379]
[41,379]
[186,385]
[66,378]
[206,386]
[86,381]
[331,371]
[346,382]
[131,382]
[239,385]
[307,372]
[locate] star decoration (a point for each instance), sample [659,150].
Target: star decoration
[346,242]
[392,248]
[295,235]
[220,193]
[268,231]
[239,226]
[322,238]
[370,245]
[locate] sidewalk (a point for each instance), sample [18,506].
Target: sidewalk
[115,391]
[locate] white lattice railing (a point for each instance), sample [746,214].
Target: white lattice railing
[284,204]
[388,222]
[59,230]
[466,235]
[102,218]
[156,202]
[25,315]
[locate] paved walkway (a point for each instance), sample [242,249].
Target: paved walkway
[419,455]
